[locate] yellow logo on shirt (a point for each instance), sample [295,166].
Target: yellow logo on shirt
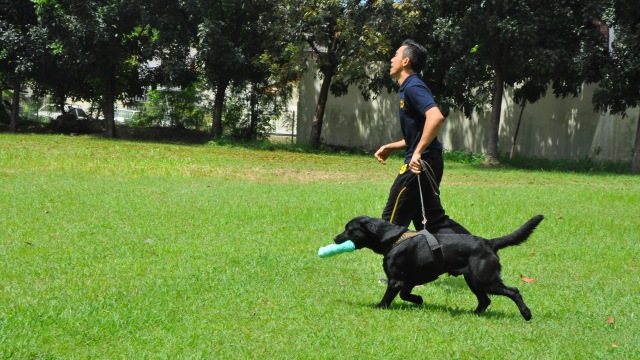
[401,103]
[403,168]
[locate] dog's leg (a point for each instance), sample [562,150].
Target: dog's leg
[483,298]
[393,288]
[513,294]
[406,295]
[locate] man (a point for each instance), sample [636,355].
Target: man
[420,120]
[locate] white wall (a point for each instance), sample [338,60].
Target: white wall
[551,128]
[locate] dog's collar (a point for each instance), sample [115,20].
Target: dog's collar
[403,237]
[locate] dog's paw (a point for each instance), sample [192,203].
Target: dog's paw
[416,299]
[480,309]
[381,306]
[526,314]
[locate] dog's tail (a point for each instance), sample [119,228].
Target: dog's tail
[517,237]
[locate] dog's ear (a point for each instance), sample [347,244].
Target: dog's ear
[385,231]
[370,225]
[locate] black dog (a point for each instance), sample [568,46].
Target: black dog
[409,260]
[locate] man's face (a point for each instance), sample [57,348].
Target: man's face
[397,62]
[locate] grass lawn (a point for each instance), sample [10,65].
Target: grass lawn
[131,250]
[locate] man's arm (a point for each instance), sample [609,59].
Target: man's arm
[434,119]
[385,150]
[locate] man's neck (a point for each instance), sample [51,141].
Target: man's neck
[403,76]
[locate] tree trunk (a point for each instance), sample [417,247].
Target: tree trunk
[109,101]
[109,117]
[218,104]
[60,100]
[635,159]
[491,158]
[515,135]
[15,105]
[253,123]
[318,116]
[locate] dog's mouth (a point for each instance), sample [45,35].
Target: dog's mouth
[340,239]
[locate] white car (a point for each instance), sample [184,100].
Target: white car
[51,112]
[123,116]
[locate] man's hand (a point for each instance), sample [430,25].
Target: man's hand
[382,154]
[385,150]
[415,165]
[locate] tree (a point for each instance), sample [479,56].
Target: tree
[18,42]
[98,47]
[174,36]
[346,39]
[232,36]
[483,47]
[620,86]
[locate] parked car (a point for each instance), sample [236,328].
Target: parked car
[124,116]
[51,112]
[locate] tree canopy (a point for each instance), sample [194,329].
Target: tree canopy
[479,48]
[346,39]
[103,50]
[619,87]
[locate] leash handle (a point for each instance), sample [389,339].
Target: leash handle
[424,215]
[424,166]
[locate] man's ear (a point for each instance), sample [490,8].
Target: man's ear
[406,62]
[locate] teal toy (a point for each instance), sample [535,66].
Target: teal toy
[335,249]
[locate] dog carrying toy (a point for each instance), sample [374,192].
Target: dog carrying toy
[335,249]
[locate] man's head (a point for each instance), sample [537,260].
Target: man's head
[416,54]
[409,58]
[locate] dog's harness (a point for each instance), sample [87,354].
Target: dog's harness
[434,245]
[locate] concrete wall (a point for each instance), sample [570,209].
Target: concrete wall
[551,128]
[349,120]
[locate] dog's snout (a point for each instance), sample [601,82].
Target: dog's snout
[340,238]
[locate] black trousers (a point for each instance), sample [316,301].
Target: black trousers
[404,206]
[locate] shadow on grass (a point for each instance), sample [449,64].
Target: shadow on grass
[448,281]
[539,164]
[169,135]
[585,166]
[181,136]
[400,305]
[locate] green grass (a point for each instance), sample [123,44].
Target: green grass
[132,250]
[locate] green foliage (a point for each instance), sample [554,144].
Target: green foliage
[19,40]
[98,50]
[580,166]
[5,118]
[233,113]
[620,86]
[249,113]
[347,38]
[182,108]
[232,38]
[463,157]
[528,45]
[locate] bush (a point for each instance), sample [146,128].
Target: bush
[249,112]
[180,108]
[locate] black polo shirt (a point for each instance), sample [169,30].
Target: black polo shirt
[415,100]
